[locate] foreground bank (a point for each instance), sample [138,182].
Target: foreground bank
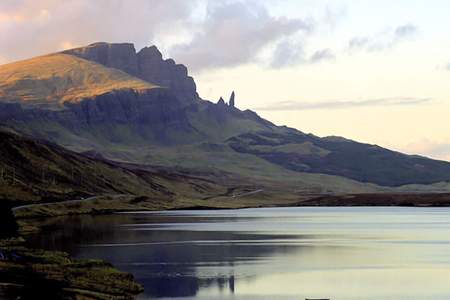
[33,273]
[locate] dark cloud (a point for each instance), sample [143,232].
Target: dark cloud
[293,105]
[383,40]
[235,33]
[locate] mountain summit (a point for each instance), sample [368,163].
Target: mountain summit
[139,108]
[147,64]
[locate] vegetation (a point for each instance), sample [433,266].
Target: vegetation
[26,273]
[50,80]
[34,171]
[300,152]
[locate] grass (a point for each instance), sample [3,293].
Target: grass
[51,80]
[27,272]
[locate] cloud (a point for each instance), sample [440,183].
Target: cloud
[235,33]
[447,67]
[202,34]
[30,27]
[322,55]
[288,54]
[434,149]
[382,40]
[333,15]
[405,31]
[293,105]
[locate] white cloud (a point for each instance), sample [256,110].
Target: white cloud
[340,104]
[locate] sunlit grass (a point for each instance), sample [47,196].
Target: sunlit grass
[54,79]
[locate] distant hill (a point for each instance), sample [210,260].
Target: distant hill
[145,110]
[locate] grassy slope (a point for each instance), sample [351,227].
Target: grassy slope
[300,152]
[33,171]
[53,79]
[218,157]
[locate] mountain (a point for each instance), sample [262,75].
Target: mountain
[145,110]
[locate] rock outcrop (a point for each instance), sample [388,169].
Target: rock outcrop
[231,102]
[148,64]
[153,68]
[120,56]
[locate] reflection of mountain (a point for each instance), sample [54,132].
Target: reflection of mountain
[186,262]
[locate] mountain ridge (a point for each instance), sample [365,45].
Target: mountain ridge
[175,127]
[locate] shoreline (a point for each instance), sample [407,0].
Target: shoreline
[100,205]
[51,268]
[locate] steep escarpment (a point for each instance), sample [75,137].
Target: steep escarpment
[147,64]
[130,119]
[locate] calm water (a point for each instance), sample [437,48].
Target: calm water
[281,253]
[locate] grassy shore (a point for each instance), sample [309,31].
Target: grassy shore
[26,273]
[33,273]
[28,216]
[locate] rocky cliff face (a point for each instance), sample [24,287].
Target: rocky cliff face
[151,116]
[153,68]
[119,56]
[148,64]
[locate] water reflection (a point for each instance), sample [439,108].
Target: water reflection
[284,253]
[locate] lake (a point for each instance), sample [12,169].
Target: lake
[274,253]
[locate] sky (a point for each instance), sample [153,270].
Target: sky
[372,71]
